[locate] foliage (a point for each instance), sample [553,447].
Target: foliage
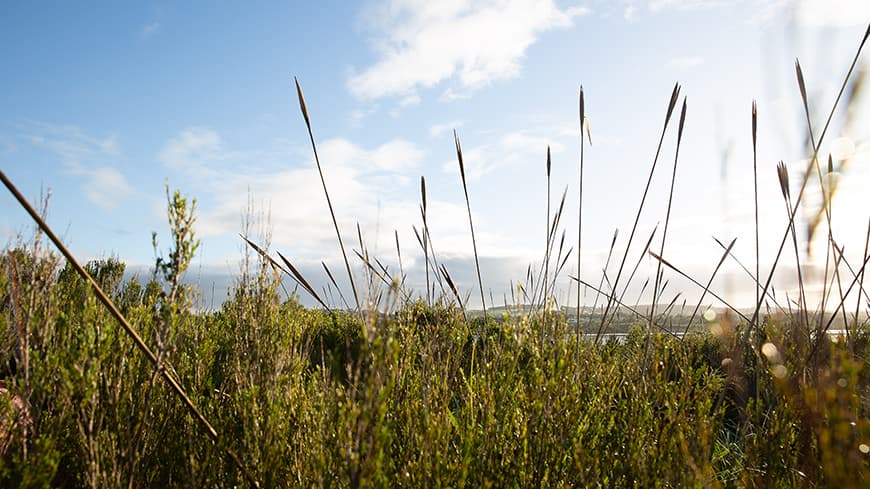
[420,398]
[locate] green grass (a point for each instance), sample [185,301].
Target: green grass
[416,398]
[416,391]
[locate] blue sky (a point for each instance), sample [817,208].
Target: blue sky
[104,102]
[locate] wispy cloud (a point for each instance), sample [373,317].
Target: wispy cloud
[7,145]
[438,129]
[104,186]
[423,43]
[629,12]
[358,115]
[410,101]
[7,233]
[451,95]
[193,149]
[834,13]
[512,147]
[686,62]
[70,142]
[812,13]
[656,5]
[87,157]
[367,184]
[150,29]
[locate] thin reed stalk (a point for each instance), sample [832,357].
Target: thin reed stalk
[548,239]
[160,366]
[399,254]
[705,288]
[807,172]
[304,109]
[755,196]
[826,198]
[709,283]
[470,221]
[671,104]
[820,337]
[668,213]
[606,266]
[335,284]
[861,280]
[301,280]
[782,171]
[582,113]
[752,277]
[599,292]
[425,241]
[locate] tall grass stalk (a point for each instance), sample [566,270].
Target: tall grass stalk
[470,221]
[304,109]
[425,241]
[755,199]
[399,255]
[702,287]
[707,287]
[612,286]
[163,370]
[335,284]
[582,114]
[807,173]
[668,213]
[604,270]
[547,242]
[861,279]
[782,171]
[826,201]
[671,104]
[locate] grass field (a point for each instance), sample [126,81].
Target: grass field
[406,388]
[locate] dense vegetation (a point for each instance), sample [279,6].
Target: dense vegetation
[410,392]
[418,397]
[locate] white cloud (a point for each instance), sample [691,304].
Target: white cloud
[6,233]
[365,184]
[410,100]
[86,156]
[105,186]
[358,115]
[812,13]
[71,143]
[835,13]
[192,149]
[629,12]
[656,5]
[423,43]
[394,156]
[150,29]
[451,95]
[438,129]
[686,62]
[7,145]
[512,147]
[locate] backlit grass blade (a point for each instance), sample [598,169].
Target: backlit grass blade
[304,109]
[470,221]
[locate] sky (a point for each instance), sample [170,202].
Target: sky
[103,103]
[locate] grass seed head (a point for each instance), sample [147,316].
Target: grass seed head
[549,163]
[754,124]
[302,103]
[782,173]
[682,122]
[459,155]
[675,95]
[801,85]
[423,192]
